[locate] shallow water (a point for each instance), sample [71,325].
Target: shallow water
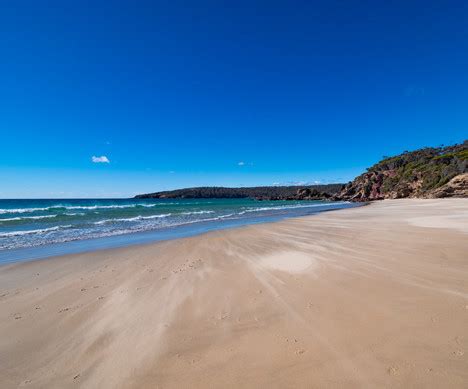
[38,228]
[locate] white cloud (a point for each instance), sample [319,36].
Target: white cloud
[243,163]
[101,159]
[298,183]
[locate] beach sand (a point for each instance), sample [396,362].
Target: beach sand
[375,296]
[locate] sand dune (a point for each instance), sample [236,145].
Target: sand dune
[375,296]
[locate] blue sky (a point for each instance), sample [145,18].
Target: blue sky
[178,94]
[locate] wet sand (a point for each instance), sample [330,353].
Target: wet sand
[375,296]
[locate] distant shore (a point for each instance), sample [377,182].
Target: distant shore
[373,296]
[277,192]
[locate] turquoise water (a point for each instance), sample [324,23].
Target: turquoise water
[29,224]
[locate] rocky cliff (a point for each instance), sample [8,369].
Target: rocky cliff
[424,173]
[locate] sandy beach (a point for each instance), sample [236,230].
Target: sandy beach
[375,296]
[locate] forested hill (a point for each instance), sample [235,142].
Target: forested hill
[431,172]
[258,192]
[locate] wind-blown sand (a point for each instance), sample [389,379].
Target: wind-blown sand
[375,296]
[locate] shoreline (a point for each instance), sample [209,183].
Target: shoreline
[373,296]
[40,252]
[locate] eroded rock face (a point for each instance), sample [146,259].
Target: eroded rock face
[429,172]
[456,187]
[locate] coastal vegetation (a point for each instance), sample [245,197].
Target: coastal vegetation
[430,172]
[426,173]
[258,192]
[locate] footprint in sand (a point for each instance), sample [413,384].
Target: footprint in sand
[459,353]
[392,370]
[190,266]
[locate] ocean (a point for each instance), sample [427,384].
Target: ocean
[31,229]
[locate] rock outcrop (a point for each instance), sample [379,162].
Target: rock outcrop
[456,187]
[311,194]
[425,173]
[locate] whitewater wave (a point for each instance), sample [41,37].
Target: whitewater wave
[259,209]
[206,220]
[196,212]
[19,218]
[59,207]
[22,210]
[132,219]
[38,231]
[10,219]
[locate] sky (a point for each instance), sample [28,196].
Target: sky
[115,98]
